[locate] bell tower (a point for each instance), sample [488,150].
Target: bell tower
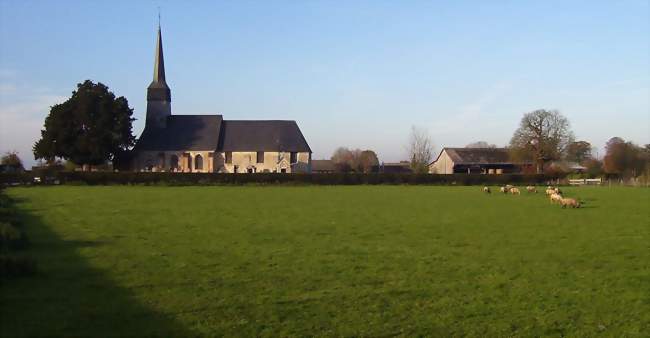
[158,93]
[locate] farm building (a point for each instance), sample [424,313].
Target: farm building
[401,167]
[208,143]
[473,161]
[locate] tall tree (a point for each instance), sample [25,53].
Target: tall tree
[91,127]
[542,135]
[420,150]
[579,151]
[624,158]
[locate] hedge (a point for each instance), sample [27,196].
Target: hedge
[142,178]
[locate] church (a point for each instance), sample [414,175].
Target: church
[210,144]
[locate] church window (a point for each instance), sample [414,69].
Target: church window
[260,157]
[228,156]
[236,168]
[294,157]
[198,162]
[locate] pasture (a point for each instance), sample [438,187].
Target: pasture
[330,261]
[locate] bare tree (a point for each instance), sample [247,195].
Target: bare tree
[480,144]
[342,159]
[420,149]
[346,160]
[542,135]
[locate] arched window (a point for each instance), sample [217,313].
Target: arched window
[173,162]
[198,162]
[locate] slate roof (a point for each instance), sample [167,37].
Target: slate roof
[257,135]
[183,132]
[211,132]
[478,155]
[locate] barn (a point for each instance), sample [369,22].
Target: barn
[473,161]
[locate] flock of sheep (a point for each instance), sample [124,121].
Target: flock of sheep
[554,194]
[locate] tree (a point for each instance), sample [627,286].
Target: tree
[480,144]
[624,158]
[542,135]
[11,159]
[594,167]
[342,159]
[89,128]
[420,150]
[368,161]
[346,160]
[579,151]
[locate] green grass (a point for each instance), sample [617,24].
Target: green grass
[330,261]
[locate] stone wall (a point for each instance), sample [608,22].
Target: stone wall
[242,162]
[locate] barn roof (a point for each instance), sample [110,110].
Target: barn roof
[257,135]
[183,132]
[478,155]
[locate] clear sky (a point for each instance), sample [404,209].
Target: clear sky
[351,73]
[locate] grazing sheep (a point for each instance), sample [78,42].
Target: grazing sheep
[555,198]
[487,190]
[550,190]
[569,202]
[515,191]
[531,189]
[557,191]
[503,190]
[508,186]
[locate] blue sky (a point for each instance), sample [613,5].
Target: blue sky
[351,73]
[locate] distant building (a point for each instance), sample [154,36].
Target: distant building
[208,143]
[402,167]
[322,166]
[473,161]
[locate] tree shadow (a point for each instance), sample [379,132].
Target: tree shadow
[69,298]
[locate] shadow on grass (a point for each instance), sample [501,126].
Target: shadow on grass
[69,298]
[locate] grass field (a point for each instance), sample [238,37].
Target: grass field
[330,261]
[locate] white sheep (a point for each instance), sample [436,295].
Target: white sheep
[515,191]
[569,202]
[531,189]
[556,198]
[487,190]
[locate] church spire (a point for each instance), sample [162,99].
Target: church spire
[158,94]
[158,89]
[159,65]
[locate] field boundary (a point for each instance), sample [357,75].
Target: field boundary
[142,178]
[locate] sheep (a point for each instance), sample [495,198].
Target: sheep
[531,189]
[550,191]
[557,191]
[508,186]
[515,191]
[487,190]
[569,202]
[503,190]
[555,198]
